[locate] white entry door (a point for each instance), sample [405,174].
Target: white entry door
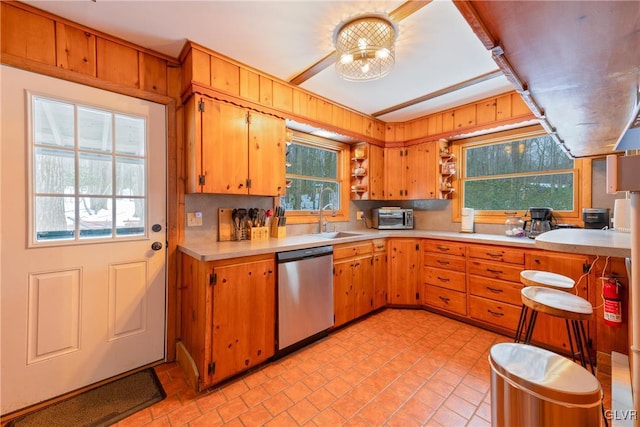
[82,226]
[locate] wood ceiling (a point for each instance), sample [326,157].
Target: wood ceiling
[577,63]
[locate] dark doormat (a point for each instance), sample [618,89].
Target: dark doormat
[100,406]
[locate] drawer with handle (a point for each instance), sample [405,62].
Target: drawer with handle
[494,312]
[446,299]
[498,290]
[496,253]
[379,245]
[494,270]
[349,250]
[444,261]
[444,278]
[444,247]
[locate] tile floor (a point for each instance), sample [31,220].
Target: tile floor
[396,368]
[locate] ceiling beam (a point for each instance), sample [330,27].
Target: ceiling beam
[398,14]
[441,92]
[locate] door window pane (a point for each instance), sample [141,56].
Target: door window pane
[95,175]
[94,129]
[53,170]
[54,218]
[92,185]
[54,123]
[130,179]
[130,135]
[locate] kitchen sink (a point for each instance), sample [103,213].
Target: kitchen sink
[336,234]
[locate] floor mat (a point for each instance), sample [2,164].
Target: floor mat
[101,406]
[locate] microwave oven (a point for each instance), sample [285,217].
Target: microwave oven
[393,219]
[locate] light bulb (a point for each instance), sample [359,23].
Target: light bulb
[382,53]
[346,58]
[365,67]
[362,43]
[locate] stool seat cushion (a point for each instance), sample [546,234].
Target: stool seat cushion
[546,278]
[556,303]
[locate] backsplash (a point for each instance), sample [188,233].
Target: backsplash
[433,215]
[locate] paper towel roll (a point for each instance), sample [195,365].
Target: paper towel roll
[621,215]
[467,220]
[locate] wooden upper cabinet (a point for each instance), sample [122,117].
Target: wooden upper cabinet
[267,152]
[376,172]
[76,49]
[232,150]
[117,63]
[224,148]
[27,35]
[421,171]
[410,172]
[394,173]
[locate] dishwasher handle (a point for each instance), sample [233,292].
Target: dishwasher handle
[300,254]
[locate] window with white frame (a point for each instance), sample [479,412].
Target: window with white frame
[88,172]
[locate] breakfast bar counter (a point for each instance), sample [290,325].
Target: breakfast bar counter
[588,242]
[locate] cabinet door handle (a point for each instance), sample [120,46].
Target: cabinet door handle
[494,290]
[493,313]
[493,255]
[443,248]
[439,261]
[443,279]
[490,270]
[444,299]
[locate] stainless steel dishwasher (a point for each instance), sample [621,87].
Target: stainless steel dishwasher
[305,296]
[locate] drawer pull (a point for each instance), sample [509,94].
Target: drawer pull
[444,299]
[443,248]
[443,279]
[494,290]
[493,313]
[493,255]
[490,270]
[442,262]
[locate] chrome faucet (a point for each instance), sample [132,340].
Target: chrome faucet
[322,224]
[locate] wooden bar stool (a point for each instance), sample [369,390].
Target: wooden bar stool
[572,308]
[540,278]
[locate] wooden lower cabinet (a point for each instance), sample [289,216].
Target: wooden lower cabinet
[404,271]
[353,286]
[443,276]
[493,277]
[228,314]
[380,269]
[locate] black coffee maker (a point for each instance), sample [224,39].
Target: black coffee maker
[540,222]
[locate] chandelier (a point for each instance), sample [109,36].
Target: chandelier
[365,48]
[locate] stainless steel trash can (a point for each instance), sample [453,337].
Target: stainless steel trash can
[531,386]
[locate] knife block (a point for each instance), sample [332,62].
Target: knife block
[278,232]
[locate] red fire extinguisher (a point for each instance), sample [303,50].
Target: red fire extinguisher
[612,294]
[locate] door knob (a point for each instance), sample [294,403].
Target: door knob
[156,246]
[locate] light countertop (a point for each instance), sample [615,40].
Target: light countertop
[211,250]
[588,242]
